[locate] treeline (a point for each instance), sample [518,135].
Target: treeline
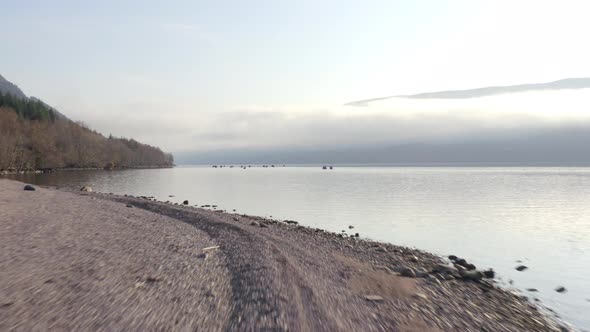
[34,137]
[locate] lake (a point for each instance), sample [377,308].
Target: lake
[492,216]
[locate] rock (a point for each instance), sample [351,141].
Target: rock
[421,296]
[356,235]
[170,195]
[453,257]
[373,298]
[28,187]
[129,205]
[421,273]
[211,248]
[489,274]
[263,225]
[185,202]
[521,268]
[203,256]
[532,290]
[560,289]
[236,219]
[350,227]
[380,249]
[412,259]
[472,275]
[408,273]
[442,268]
[254,223]
[291,222]
[85,188]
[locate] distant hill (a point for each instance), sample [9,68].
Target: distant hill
[7,87]
[568,83]
[35,136]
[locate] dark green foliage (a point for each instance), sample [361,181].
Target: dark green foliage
[27,108]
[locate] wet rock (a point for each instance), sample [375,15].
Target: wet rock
[521,268]
[291,222]
[85,188]
[374,298]
[560,289]
[472,275]
[28,187]
[129,205]
[350,227]
[185,202]
[380,249]
[236,219]
[254,223]
[453,258]
[489,274]
[263,225]
[356,235]
[532,290]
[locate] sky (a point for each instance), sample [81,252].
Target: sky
[213,75]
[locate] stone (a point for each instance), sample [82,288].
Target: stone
[263,225]
[489,274]
[472,275]
[380,249]
[560,289]
[356,235]
[350,227]
[421,296]
[129,205]
[236,219]
[532,290]
[521,268]
[293,222]
[85,188]
[211,248]
[453,257]
[374,298]
[407,272]
[202,256]
[254,223]
[185,202]
[442,268]
[28,187]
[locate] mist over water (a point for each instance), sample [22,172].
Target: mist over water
[492,216]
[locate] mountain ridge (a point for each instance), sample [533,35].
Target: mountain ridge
[563,84]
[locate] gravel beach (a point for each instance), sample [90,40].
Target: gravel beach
[91,261]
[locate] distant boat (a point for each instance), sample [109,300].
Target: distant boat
[331,167]
[324,167]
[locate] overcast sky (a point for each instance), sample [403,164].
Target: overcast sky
[207,75]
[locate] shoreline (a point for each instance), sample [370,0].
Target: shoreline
[318,280]
[66,169]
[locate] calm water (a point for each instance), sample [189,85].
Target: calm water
[491,216]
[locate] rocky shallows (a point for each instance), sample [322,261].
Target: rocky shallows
[84,260]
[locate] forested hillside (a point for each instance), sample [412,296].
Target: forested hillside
[33,137]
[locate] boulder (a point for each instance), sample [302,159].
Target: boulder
[521,268]
[86,188]
[185,202]
[560,289]
[472,275]
[28,187]
[489,274]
